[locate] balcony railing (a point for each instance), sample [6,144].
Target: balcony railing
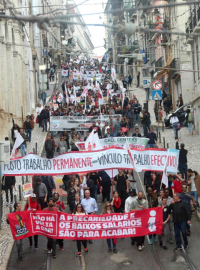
[175,64]
[150,35]
[193,19]
[159,63]
[143,2]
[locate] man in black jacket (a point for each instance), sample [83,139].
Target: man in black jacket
[182,160]
[49,147]
[181,217]
[145,123]
[44,116]
[152,202]
[8,183]
[136,134]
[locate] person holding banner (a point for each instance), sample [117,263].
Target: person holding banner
[19,243]
[107,209]
[33,206]
[51,244]
[139,204]
[79,210]
[90,205]
[136,134]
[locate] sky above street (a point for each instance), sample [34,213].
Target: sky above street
[97,33]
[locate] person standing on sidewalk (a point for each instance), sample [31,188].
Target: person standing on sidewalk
[156,109]
[44,116]
[43,97]
[139,204]
[136,116]
[28,126]
[145,123]
[19,243]
[182,166]
[138,79]
[181,217]
[51,244]
[8,183]
[174,122]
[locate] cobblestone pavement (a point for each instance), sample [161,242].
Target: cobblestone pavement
[6,241]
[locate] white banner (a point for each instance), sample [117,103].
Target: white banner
[134,142]
[62,123]
[64,73]
[83,162]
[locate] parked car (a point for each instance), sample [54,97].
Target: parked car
[180,113]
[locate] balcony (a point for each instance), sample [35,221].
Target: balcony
[175,64]
[150,35]
[159,63]
[143,2]
[193,24]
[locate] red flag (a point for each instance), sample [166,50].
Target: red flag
[124,129]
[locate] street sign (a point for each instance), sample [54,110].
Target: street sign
[44,52]
[146,82]
[156,95]
[157,85]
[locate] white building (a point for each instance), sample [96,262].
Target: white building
[193,26]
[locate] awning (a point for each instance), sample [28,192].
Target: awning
[162,73]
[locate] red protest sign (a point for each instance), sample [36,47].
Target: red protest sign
[83,227]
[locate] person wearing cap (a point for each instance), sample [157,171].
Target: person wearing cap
[32,205]
[128,203]
[51,244]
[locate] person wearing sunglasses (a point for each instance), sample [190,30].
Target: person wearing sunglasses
[108,209]
[79,210]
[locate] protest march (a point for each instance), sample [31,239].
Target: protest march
[101,176]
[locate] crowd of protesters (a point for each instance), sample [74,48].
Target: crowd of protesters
[120,193]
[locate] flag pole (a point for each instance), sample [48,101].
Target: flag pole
[134,167]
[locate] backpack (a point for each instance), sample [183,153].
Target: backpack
[28,125]
[191,117]
[27,205]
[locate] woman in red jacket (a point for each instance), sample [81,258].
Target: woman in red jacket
[33,206]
